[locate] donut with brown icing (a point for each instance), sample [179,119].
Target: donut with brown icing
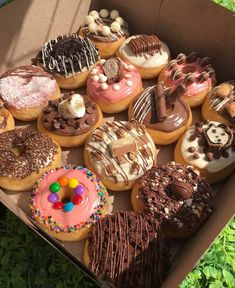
[175,194]
[195,72]
[106,29]
[209,147]
[26,90]
[25,155]
[164,114]
[126,250]
[70,119]
[120,152]
[69,58]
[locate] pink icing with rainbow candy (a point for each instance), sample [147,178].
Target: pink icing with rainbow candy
[80,213]
[99,89]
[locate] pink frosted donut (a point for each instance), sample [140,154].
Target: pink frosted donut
[67,201]
[26,90]
[195,72]
[113,84]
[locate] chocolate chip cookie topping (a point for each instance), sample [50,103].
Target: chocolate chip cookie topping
[67,55]
[67,117]
[24,151]
[175,194]
[127,251]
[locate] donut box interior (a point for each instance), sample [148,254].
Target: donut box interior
[186,26]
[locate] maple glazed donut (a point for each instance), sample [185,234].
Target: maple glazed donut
[6,120]
[69,58]
[126,250]
[164,114]
[195,72]
[67,201]
[220,104]
[120,152]
[25,90]
[106,29]
[209,147]
[147,53]
[25,155]
[174,195]
[113,84]
[70,119]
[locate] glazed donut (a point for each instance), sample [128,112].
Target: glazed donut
[66,202]
[113,84]
[195,72]
[120,152]
[6,120]
[69,58]
[25,155]
[164,114]
[220,104]
[174,195]
[126,250]
[26,90]
[70,119]
[147,53]
[209,147]
[106,29]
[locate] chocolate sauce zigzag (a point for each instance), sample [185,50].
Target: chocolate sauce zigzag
[67,55]
[159,109]
[175,194]
[128,251]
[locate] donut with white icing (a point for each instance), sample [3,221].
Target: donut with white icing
[113,84]
[106,29]
[147,53]
[68,201]
[220,104]
[26,90]
[120,152]
[209,147]
[69,58]
[195,72]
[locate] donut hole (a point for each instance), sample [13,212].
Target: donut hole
[18,150]
[66,194]
[188,69]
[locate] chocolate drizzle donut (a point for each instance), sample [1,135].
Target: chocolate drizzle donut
[175,194]
[67,55]
[54,121]
[159,109]
[127,251]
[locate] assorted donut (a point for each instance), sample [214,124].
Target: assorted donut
[71,203]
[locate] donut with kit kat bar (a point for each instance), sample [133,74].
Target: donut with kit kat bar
[113,84]
[165,115]
[120,152]
[176,196]
[147,53]
[106,29]
[70,119]
[195,72]
[209,147]
[69,58]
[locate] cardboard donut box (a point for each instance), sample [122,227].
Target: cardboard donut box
[186,26]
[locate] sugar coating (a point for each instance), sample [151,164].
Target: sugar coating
[16,92]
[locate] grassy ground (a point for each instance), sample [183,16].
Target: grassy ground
[27,261]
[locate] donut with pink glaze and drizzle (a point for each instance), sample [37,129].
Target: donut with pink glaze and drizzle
[113,84]
[67,201]
[193,71]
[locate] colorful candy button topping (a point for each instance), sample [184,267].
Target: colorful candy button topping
[79,190]
[63,181]
[73,183]
[68,206]
[55,187]
[58,205]
[53,198]
[77,199]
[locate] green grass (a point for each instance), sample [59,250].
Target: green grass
[229,4]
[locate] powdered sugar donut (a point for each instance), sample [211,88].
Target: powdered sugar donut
[66,202]
[113,84]
[26,90]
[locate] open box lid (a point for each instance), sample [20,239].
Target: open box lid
[185,25]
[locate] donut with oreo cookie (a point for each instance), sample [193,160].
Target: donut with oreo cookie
[209,147]
[174,195]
